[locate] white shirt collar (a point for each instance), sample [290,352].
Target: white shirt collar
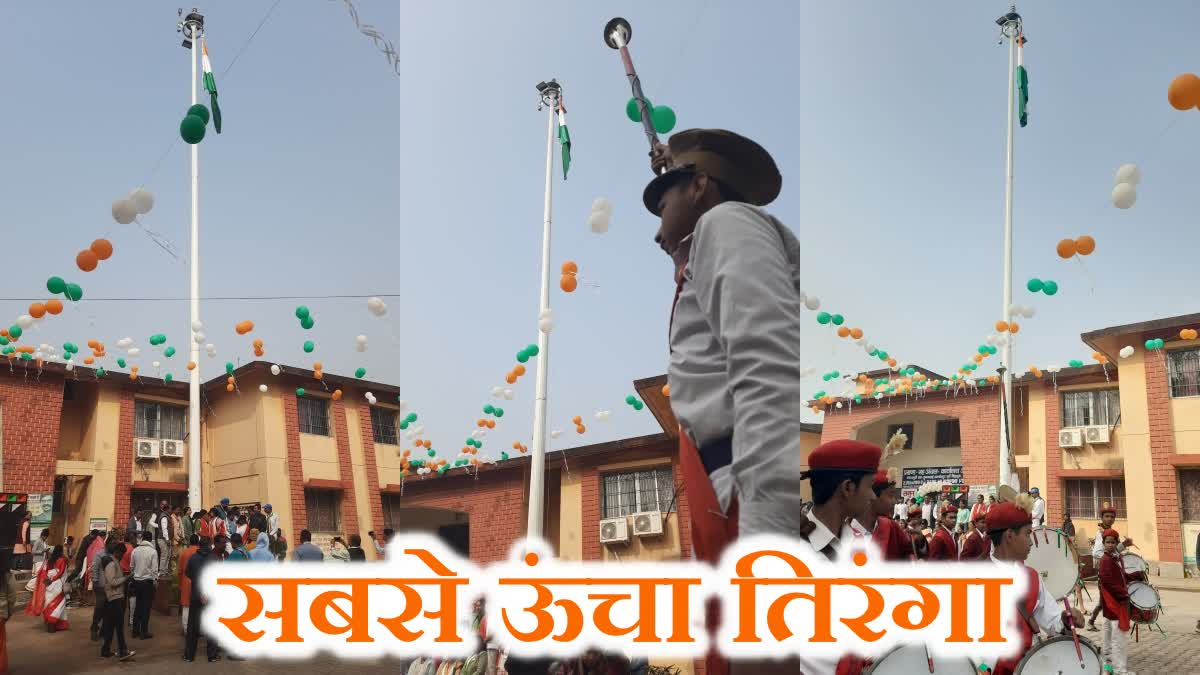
[821,536]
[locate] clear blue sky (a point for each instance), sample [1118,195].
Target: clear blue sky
[336,176]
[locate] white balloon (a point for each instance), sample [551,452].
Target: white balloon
[1030,310]
[37,354]
[1129,173]
[1124,196]
[275,370]
[602,204]
[991,340]
[24,321]
[361,339]
[868,348]
[497,392]
[262,388]
[377,306]
[1126,351]
[123,211]
[142,200]
[199,338]
[1053,369]
[1001,340]
[125,343]
[879,395]
[360,347]
[420,429]
[403,404]
[156,364]
[555,433]
[197,325]
[70,366]
[839,405]
[599,222]
[546,325]
[813,303]
[133,351]
[546,313]
[508,394]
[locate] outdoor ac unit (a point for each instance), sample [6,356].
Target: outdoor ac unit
[614,531]
[648,524]
[173,449]
[1070,438]
[1097,435]
[147,448]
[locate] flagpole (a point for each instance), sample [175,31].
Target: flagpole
[550,92]
[193,29]
[1010,28]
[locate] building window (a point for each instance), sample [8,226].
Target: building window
[383,425]
[149,500]
[1085,498]
[1100,407]
[947,434]
[638,492]
[391,513]
[906,429]
[159,420]
[324,510]
[314,415]
[1189,495]
[1183,369]
[60,494]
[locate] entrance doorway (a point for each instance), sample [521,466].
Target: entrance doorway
[453,528]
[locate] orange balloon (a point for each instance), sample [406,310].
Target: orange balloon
[577,420]
[244,327]
[519,370]
[54,306]
[229,387]
[319,375]
[93,344]
[4,332]
[842,332]
[1192,334]
[89,360]
[258,344]
[86,260]
[568,283]
[1184,92]
[570,267]
[258,352]
[1066,248]
[337,395]
[979,358]
[133,376]
[1085,245]
[37,310]
[102,248]
[580,429]
[856,333]
[191,365]
[229,379]
[133,369]
[666,390]
[1014,327]
[511,379]
[891,362]
[491,424]
[1002,326]
[317,365]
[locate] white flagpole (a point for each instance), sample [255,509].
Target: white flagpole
[1011,29]
[194,445]
[537,471]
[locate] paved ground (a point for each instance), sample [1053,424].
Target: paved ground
[32,650]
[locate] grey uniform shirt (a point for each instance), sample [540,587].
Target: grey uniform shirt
[735,361]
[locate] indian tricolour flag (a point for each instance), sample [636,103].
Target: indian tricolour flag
[210,85]
[1022,83]
[564,137]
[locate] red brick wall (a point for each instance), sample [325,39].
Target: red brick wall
[1162,446]
[1052,491]
[31,408]
[494,505]
[978,421]
[341,434]
[373,495]
[590,496]
[124,477]
[295,469]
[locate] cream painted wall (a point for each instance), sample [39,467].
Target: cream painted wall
[236,446]
[648,549]
[1185,419]
[388,462]
[1135,445]
[1035,459]
[1107,456]
[94,464]
[167,470]
[570,538]
[319,456]
[77,418]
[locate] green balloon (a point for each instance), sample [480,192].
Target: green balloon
[199,111]
[26,356]
[229,367]
[982,349]
[14,331]
[532,350]
[168,377]
[522,357]
[499,412]
[883,356]
[191,129]
[824,318]
[169,352]
[1050,288]
[301,312]
[412,417]
[639,405]
[858,398]
[307,322]
[309,346]
[630,399]
[504,456]
[819,394]
[299,391]
[992,350]
[403,425]
[432,452]
[1034,285]
[56,285]
[1158,342]
[100,373]
[4,340]
[663,118]
[360,372]
[121,362]
[488,409]
[838,319]
[74,292]
[633,112]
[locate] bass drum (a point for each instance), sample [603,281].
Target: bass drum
[1144,602]
[1134,564]
[1056,656]
[1054,561]
[912,659]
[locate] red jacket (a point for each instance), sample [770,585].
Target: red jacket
[976,547]
[943,547]
[891,538]
[1029,600]
[1114,590]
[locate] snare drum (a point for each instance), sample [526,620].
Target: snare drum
[1134,564]
[1144,603]
[1054,561]
[912,658]
[1056,656]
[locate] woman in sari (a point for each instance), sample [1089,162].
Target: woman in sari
[54,610]
[95,548]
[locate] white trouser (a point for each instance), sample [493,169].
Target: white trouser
[183,614]
[132,605]
[164,557]
[1115,643]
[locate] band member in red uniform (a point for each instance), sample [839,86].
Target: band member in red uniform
[977,545]
[943,546]
[887,534]
[1114,598]
[916,533]
[1009,526]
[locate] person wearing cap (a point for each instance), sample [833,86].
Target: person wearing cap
[916,534]
[1038,515]
[944,546]
[887,534]
[1108,516]
[1009,529]
[734,336]
[1114,598]
[977,545]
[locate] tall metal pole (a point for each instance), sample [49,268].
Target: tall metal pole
[537,471]
[194,445]
[1011,29]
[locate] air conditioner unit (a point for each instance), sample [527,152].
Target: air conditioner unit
[1070,438]
[648,524]
[147,448]
[614,531]
[173,449]
[1096,435]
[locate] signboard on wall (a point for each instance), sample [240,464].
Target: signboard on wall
[914,477]
[98,524]
[41,508]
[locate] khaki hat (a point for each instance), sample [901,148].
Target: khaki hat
[734,161]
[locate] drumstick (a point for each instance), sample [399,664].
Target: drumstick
[929,658]
[1074,635]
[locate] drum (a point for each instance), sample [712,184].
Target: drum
[1144,602]
[1054,561]
[912,659]
[1056,656]
[1134,564]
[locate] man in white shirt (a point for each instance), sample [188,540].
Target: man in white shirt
[144,564]
[927,512]
[900,511]
[1038,515]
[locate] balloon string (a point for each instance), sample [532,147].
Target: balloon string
[1091,279]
